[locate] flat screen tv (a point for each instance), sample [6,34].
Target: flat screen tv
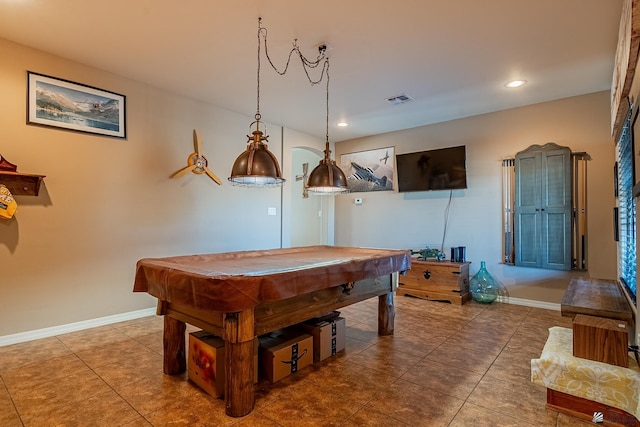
[440,169]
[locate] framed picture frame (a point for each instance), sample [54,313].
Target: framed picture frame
[370,170]
[64,104]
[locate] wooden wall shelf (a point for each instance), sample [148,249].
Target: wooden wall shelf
[21,184]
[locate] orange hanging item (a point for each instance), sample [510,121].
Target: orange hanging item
[8,204]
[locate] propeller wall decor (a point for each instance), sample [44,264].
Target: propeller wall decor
[196,162]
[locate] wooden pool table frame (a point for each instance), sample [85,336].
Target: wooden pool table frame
[241,328]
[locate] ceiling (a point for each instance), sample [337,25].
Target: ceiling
[452,57]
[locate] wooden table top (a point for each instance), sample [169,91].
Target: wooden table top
[595,297]
[236,281]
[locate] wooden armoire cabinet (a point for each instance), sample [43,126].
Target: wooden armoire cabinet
[543,207]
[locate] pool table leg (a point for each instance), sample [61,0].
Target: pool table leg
[175,360]
[239,337]
[386,314]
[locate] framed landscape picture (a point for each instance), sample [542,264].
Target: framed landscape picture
[64,104]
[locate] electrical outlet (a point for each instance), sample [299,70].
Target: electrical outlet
[271,211]
[358,201]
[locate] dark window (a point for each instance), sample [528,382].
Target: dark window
[626,209]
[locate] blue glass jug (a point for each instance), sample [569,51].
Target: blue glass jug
[483,287]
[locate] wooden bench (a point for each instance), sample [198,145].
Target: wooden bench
[601,319]
[601,312]
[579,387]
[595,297]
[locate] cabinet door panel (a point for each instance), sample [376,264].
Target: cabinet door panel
[528,182]
[557,179]
[528,238]
[557,255]
[557,210]
[527,209]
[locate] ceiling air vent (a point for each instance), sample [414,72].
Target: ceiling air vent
[400,99]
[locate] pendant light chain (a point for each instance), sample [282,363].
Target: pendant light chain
[257,166]
[258,115]
[327,177]
[327,123]
[306,63]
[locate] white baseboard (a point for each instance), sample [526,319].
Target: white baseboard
[72,327]
[86,324]
[530,303]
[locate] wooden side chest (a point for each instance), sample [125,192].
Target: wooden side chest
[437,281]
[600,339]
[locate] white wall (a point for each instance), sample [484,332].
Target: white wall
[306,213]
[69,255]
[303,226]
[413,220]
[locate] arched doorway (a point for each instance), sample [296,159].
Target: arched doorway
[310,215]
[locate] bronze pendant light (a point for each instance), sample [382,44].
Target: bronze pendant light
[327,177]
[257,166]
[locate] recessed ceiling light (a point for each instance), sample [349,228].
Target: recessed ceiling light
[343,124]
[515,83]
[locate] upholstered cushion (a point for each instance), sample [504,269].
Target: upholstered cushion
[559,370]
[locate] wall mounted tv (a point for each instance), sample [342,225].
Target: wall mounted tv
[440,169]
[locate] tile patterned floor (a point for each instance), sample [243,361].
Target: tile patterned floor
[446,365]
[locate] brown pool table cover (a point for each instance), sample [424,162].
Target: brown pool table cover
[236,281]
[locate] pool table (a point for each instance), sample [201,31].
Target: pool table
[241,295]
